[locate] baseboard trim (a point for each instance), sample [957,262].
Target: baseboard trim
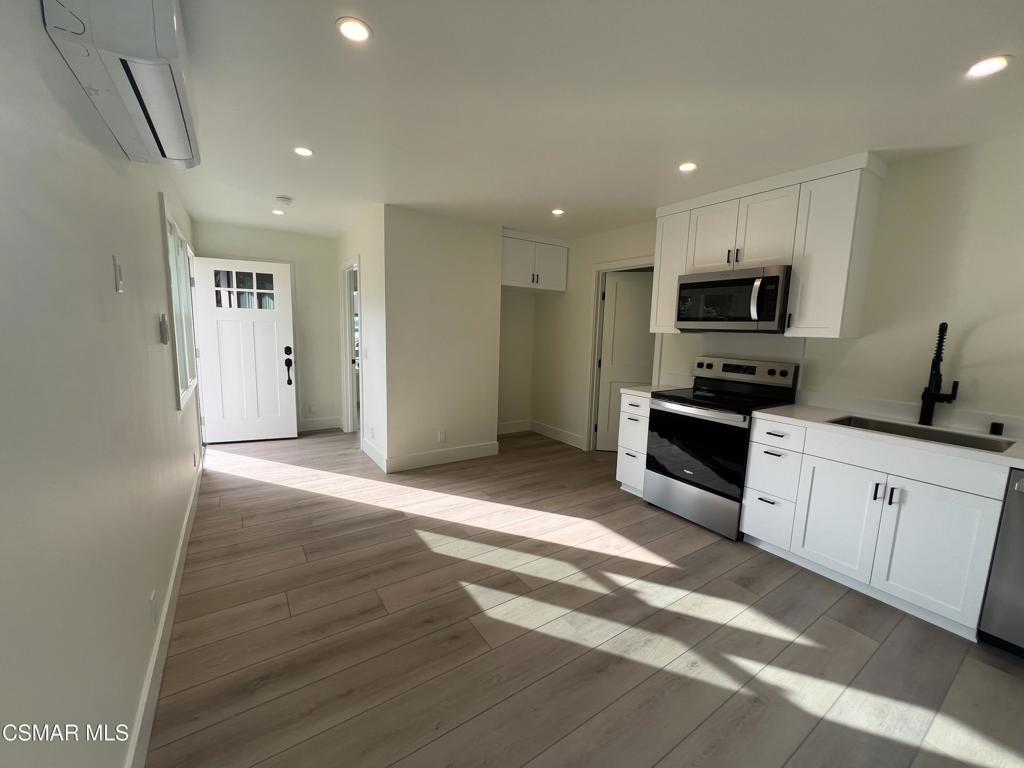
[563,436]
[138,748]
[376,454]
[315,425]
[510,427]
[441,456]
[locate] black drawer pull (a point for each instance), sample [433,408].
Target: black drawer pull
[775,434]
[633,405]
[766,501]
[773,453]
[631,418]
[631,455]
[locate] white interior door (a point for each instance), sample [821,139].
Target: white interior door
[244,329]
[627,347]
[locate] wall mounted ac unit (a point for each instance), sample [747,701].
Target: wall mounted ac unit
[129,56]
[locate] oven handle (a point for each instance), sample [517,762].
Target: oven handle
[754,296]
[722,417]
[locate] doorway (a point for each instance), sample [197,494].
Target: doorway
[350,329]
[624,345]
[244,334]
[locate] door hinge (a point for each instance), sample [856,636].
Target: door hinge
[599,362]
[192,282]
[602,295]
[202,421]
[595,427]
[789,320]
[197,351]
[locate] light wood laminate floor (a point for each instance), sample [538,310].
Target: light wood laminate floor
[522,610]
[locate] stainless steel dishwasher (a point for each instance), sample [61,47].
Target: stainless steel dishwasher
[1002,617]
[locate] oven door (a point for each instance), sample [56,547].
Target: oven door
[744,300]
[699,447]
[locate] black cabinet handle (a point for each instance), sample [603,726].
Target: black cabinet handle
[766,501]
[775,434]
[874,494]
[773,453]
[737,255]
[892,493]
[631,455]
[728,256]
[288,369]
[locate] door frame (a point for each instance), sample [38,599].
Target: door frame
[349,422]
[599,271]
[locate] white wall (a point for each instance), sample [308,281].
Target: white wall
[515,361]
[443,314]
[97,462]
[316,290]
[363,243]
[564,331]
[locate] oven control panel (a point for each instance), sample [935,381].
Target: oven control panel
[756,371]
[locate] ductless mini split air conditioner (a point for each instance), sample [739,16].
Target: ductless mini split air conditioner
[129,56]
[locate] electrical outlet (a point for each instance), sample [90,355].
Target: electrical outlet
[442,435]
[152,606]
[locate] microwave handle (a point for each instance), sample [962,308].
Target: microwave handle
[755,294]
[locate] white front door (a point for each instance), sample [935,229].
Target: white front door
[626,354]
[247,361]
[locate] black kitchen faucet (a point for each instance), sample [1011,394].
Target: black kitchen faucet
[933,392]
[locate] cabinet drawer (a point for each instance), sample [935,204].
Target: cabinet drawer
[630,468]
[774,470]
[767,517]
[633,432]
[778,434]
[638,406]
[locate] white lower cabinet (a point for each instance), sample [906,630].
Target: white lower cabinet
[632,458]
[934,547]
[629,470]
[837,514]
[767,517]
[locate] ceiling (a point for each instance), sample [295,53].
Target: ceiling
[500,110]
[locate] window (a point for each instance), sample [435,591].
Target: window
[179,264]
[236,289]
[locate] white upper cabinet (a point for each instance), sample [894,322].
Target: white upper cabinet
[669,264]
[712,237]
[766,228]
[834,232]
[529,264]
[819,219]
[934,547]
[837,514]
[551,266]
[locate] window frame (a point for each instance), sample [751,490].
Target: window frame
[179,263]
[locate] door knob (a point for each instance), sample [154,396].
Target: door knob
[288,349]
[288,369]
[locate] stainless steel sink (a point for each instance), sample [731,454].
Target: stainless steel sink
[978,442]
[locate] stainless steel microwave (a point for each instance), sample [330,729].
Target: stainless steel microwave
[742,300]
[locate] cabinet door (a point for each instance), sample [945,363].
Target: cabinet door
[767,227]
[712,237]
[552,263]
[837,513]
[669,264]
[934,548]
[821,257]
[518,258]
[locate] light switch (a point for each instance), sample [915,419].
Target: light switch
[118,275]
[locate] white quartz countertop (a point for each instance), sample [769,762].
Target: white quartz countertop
[819,418]
[645,391]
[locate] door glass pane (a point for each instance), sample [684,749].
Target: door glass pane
[243,280]
[246,300]
[718,300]
[264,281]
[224,298]
[266,300]
[222,278]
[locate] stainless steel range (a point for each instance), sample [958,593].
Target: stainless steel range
[697,438]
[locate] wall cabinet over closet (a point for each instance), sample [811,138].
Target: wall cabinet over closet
[532,264]
[820,220]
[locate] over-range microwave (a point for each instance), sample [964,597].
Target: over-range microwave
[742,300]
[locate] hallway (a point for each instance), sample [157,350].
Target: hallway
[522,609]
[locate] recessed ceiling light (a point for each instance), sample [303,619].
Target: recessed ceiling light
[277,212]
[988,66]
[688,167]
[303,151]
[557,212]
[356,30]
